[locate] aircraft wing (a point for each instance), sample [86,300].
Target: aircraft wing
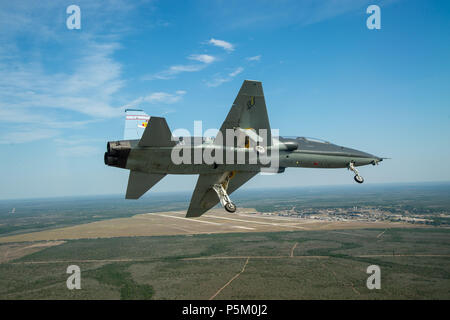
[204,196]
[249,110]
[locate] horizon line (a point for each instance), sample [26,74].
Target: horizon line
[245,189]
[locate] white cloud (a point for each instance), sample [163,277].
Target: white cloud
[222,44]
[24,135]
[173,71]
[254,58]
[217,82]
[236,72]
[48,101]
[163,97]
[89,90]
[184,68]
[158,97]
[79,151]
[77,140]
[78,146]
[205,58]
[245,15]
[220,80]
[58,79]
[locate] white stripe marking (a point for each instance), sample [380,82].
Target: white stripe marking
[165,215]
[241,227]
[259,222]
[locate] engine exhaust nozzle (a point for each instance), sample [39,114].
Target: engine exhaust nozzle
[117,153]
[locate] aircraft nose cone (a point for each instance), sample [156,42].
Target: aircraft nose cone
[362,154]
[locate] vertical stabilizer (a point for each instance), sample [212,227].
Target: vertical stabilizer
[135,123]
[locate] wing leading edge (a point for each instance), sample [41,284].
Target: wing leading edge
[249,111]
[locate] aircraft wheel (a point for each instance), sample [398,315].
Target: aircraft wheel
[230,207]
[359,179]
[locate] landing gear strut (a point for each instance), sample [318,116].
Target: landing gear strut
[357,177]
[225,201]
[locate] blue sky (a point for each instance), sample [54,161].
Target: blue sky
[325,75]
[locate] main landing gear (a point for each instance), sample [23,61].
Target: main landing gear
[357,177]
[221,190]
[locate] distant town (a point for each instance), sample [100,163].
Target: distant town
[363,213]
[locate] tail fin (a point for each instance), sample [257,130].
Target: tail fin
[157,134]
[135,123]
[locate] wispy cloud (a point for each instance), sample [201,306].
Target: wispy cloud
[205,58]
[22,135]
[236,72]
[76,146]
[51,78]
[88,90]
[23,116]
[174,70]
[48,102]
[222,44]
[164,97]
[243,14]
[218,80]
[77,140]
[79,151]
[158,97]
[254,58]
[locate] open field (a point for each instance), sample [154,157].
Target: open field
[299,264]
[148,250]
[17,250]
[174,223]
[428,201]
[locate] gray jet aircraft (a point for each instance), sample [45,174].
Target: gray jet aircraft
[243,147]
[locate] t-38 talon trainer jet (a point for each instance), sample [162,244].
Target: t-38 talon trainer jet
[243,147]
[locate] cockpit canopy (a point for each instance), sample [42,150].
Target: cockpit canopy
[308,139]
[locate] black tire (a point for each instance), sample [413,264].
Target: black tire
[230,207]
[359,179]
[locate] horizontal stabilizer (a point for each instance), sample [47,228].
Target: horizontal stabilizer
[157,134]
[140,182]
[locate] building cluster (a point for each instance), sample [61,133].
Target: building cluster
[364,213]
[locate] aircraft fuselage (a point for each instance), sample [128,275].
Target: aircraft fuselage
[244,145]
[291,152]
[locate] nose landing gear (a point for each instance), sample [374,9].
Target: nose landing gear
[357,177]
[221,190]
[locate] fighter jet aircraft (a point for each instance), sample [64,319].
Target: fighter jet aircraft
[243,147]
